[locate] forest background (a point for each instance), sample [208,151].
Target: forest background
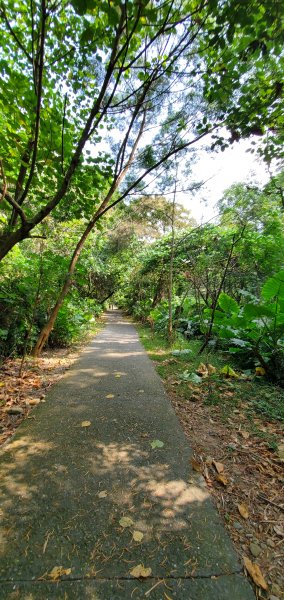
[102,108]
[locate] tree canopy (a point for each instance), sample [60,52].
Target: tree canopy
[93,91]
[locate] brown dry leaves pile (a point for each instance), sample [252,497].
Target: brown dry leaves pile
[19,395]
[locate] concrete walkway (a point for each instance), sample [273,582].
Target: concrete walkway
[66,487]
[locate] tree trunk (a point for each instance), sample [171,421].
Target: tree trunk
[171,265]
[45,332]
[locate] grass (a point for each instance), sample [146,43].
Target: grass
[254,397]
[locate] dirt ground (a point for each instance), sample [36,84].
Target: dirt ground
[246,480]
[19,395]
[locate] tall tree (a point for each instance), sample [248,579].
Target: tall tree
[75,73]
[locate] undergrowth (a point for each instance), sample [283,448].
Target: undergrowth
[248,395]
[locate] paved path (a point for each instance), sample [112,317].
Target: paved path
[66,488]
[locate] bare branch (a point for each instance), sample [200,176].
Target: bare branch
[155,166]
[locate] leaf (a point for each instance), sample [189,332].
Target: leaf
[228,372]
[140,571]
[211,369]
[157,444]
[85,423]
[279,530]
[126,522]
[194,378]
[253,311]
[238,342]
[218,466]
[110,396]
[188,376]
[222,479]
[202,370]
[245,434]
[228,304]
[255,573]
[243,510]
[274,286]
[196,465]
[102,494]
[138,536]
[58,572]
[260,371]
[181,352]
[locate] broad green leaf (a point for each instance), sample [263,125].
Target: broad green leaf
[274,286]
[228,304]
[257,310]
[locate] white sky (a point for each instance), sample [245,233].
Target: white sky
[234,165]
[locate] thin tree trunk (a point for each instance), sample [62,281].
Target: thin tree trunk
[171,265]
[36,302]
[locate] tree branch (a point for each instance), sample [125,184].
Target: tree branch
[13,203]
[39,80]
[14,35]
[2,173]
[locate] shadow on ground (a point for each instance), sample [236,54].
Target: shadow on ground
[66,487]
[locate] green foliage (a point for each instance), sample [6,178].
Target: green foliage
[256,330]
[274,286]
[30,280]
[73,321]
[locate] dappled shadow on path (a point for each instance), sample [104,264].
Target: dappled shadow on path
[87,459]
[63,504]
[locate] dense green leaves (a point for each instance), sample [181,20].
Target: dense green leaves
[274,286]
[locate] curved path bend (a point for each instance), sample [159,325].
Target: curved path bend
[66,485]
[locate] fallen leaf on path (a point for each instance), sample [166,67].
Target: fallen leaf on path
[243,510]
[85,423]
[140,571]
[110,396]
[138,536]
[157,444]
[255,573]
[222,479]
[196,465]
[218,466]
[126,522]
[58,572]
[245,434]
[102,494]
